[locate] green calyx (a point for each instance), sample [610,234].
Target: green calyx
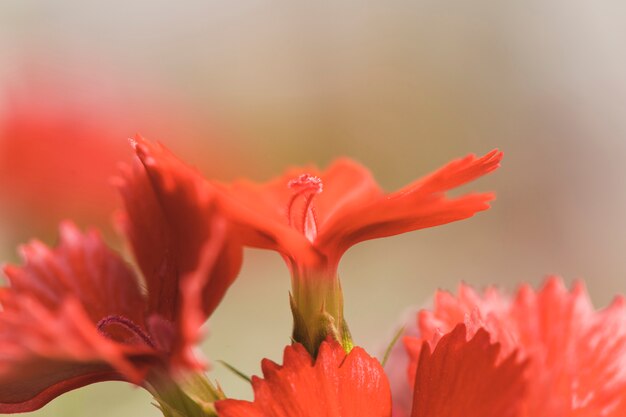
[190,396]
[313,327]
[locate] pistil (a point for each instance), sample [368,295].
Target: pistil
[128,325]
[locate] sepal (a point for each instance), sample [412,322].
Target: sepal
[192,395]
[311,331]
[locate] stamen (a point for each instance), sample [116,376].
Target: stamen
[127,324]
[305,187]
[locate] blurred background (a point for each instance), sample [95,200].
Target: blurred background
[248,88]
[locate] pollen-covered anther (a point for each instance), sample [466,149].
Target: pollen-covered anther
[300,209]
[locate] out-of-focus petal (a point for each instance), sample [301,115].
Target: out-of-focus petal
[49,341]
[398,362]
[56,159]
[81,267]
[464,379]
[180,240]
[579,354]
[334,385]
[169,218]
[46,353]
[576,355]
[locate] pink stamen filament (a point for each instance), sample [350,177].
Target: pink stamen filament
[127,324]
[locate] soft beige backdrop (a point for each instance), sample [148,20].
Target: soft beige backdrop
[402,86]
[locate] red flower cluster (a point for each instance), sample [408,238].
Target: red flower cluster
[77,314]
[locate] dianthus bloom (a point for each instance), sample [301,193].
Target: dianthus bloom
[76,314]
[576,356]
[312,217]
[459,378]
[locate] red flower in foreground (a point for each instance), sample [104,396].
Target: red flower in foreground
[458,379]
[312,217]
[76,314]
[576,356]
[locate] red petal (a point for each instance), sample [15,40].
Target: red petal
[46,139]
[575,352]
[170,219]
[81,267]
[348,186]
[48,336]
[39,381]
[335,385]
[46,353]
[260,211]
[578,354]
[461,379]
[417,206]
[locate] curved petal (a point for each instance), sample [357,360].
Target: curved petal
[47,353]
[463,379]
[28,388]
[169,219]
[49,341]
[194,287]
[348,186]
[419,205]
[184,247]
[334,385]
[46,138]
[576,354]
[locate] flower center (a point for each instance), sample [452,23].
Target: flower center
[110,326]
[300,209]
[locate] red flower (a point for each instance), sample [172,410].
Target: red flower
[313,217]
[459,379]
[575,354]
[76,314]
